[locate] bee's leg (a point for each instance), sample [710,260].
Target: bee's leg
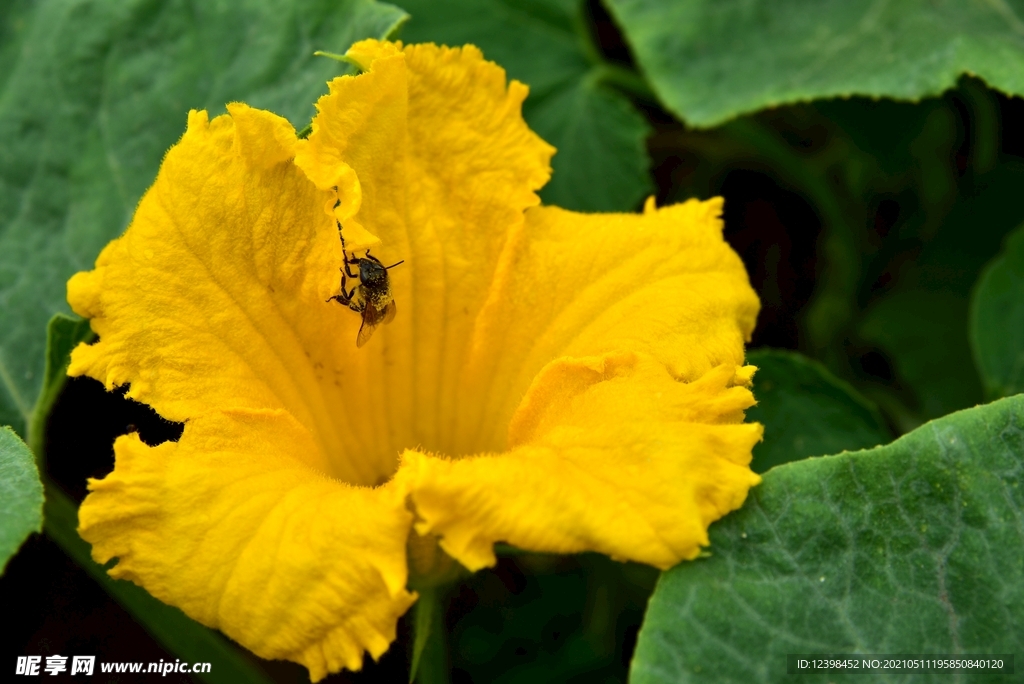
[348,260]
[345,297]
[341,299]
[348,271]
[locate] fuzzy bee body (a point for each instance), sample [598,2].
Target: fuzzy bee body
[370,296]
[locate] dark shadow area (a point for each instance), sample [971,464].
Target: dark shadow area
[83,425]
[56,608]
[775,232]
[607,36]
[539,618]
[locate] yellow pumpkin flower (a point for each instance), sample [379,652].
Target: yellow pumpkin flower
[559,381]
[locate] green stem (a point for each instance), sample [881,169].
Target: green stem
[63,334]
[985,127]
[581,24]
[603,72]
[333,55]
[626,80]
[430,643]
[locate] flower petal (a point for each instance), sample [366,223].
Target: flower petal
[663,283]
[230,527]
[608,454]
[212,306]
[215,297]
[446,166]
[592,361]
[605,366]
[184,302]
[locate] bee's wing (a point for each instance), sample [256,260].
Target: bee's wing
[390,311]
[371,319]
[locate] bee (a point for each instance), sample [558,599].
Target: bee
[371,295]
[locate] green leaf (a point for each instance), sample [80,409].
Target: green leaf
[21,495]
[922,323]
[806,411]
[924,333]
[181,635]
[429,647]
[63,334]
[712,60]
[997,320]
[549,618]
[94,93]
[913,547]
[602,162]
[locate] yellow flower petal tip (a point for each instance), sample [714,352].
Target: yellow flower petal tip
[606,454]
[563,382]
[745,375]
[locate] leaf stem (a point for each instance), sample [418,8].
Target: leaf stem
[63,333]
[430,643]
[626,80]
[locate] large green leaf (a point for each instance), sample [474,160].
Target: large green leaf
[21,495]
[997,320]
[93,94]
[806,411]
[601,163]
[185,638]
[712,60]
[913,547]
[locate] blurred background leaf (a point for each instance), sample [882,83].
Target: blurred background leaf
[712,60]
[997,320]
[807,411]
[920,316]
[21,495]
[912,547]
[601,164]
[540,618]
